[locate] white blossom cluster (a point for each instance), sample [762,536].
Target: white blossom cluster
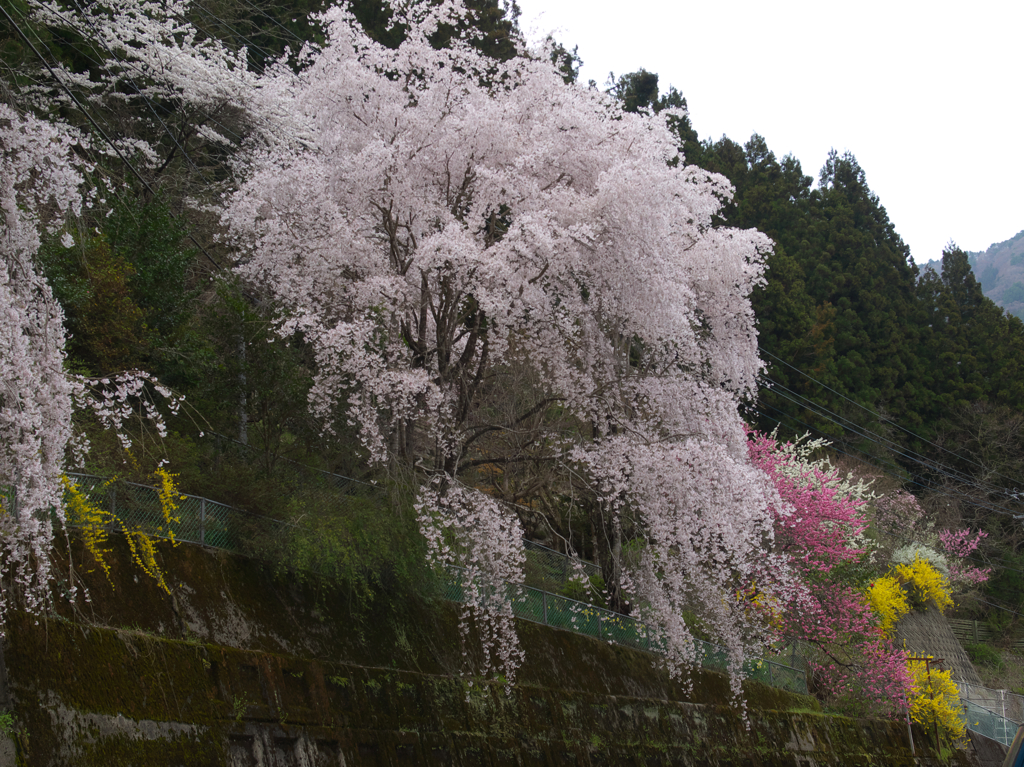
[39,186]
[453,215]
[36,179]
[151,54]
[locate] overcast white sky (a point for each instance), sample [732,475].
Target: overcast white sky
[928,96]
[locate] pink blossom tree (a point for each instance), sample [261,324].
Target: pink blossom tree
[819,527]
[959,545]
[453,217]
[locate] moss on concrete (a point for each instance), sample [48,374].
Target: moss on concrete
[242,667]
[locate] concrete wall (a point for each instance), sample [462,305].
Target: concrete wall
[239,667]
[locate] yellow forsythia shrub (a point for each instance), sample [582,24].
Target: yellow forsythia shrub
[889,601]
[925,583]
[169,497]
[95,523]
[934,698]
[91,519]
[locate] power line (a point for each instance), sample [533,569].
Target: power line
[875,438]
[879,416]
[96,125]
[920,485]
[84,52]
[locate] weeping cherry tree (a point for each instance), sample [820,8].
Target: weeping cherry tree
[451,217]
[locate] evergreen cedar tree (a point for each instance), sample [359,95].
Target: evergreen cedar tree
[844,303]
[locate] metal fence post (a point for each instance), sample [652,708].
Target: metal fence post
[771,674]
[202,521]
[544,601]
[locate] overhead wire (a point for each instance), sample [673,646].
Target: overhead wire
[919,485]
[877,415]
[909,455]
[84,52]
[896,472]
[149,103]
[92,121]
[864,432]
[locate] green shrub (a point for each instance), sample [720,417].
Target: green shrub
[984,654]
[591,591]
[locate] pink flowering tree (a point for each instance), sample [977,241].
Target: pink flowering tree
[37,178]
[819,527]
[959,545]
[898,520]
[454,218]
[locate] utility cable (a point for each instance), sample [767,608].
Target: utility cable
[864,432]
[878,415]
[963,480]
[911,456]
[920,485]
[96,125]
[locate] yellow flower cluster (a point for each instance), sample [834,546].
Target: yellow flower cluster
[935,699]
[95,523]
[169,497]
[888,595]
[889,601]
[92,521]
[925,583]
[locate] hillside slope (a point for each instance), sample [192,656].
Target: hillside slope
[1000,270]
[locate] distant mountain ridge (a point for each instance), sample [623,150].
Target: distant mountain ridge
[1000,270]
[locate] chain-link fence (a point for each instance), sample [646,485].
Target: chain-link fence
[550,570]
[208,523]
[266,483]
[561,612]
[199,520]
[1007,704]
[989,723]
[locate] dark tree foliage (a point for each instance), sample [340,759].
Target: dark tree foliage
[639,90]
[269,29]
[856,340]
[568,62]
[865,270]
[636,90]
[127,291]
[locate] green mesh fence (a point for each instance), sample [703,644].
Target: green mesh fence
[1004,702]
[989,723]
[550,570]
[199,520]
[712,656]
[208,523]
[561,612]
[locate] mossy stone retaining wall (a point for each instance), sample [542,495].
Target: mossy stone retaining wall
[242,668]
